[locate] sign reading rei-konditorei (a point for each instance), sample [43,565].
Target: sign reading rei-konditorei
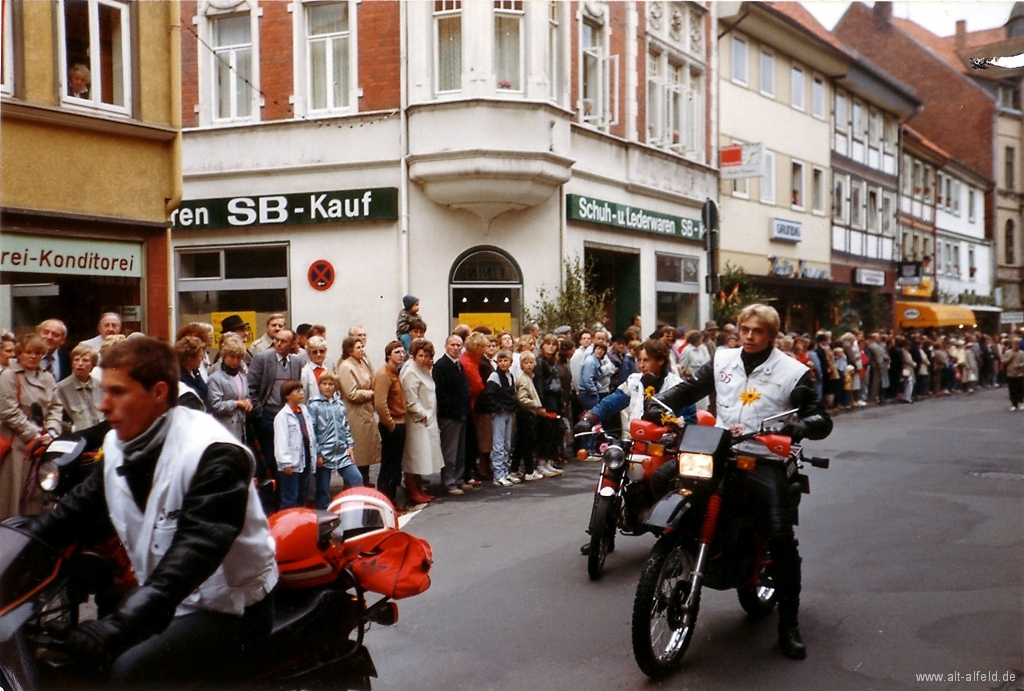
[339,206]
[605,213]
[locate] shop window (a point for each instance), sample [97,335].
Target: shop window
[232,67]
[214,282]
[7,49]
[556,52]
[797,95]
[767,74]
[599,76]
[96,50]
[739,61]
[329,45]
[768,179]
[818,98]
[486,289]
[448,45]
[678,289]
[818,191]
[508,44]
[797,189]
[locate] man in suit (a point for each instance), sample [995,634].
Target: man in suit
[265,343]
[110,325]
[56,361]
[453,409]
[267,372]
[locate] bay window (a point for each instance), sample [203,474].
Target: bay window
[448,45]
[508,44]
[96,54]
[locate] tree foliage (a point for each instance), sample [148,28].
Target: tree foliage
[738,291]
[574,304]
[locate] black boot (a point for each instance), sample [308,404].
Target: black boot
[789,631]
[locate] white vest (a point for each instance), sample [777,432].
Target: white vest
[635,389]
[248,572]
[748,400]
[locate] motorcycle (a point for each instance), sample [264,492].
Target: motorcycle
[321,610]
[623,495]
[707,538]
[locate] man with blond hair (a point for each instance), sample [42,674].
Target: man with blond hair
[754,382]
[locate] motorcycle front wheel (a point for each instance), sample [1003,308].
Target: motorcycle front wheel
[602,535]
[759,600]
[662,625]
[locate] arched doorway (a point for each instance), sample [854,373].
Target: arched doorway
[486,289]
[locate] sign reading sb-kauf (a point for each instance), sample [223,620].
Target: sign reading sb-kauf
[605,213]
[339,206]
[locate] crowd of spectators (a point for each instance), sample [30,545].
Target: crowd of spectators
[483,407]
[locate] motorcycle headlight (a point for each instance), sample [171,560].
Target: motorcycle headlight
[48,476]
[614,457]
[696,465]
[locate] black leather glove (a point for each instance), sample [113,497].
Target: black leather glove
[653,412]
[99,642]
[586,423]
[797,429]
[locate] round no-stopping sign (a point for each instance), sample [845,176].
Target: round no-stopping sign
[321,274]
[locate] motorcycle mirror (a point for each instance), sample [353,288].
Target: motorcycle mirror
[777,416]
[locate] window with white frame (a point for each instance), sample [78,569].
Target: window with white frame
[918,180]
[508,44]
[96,51]
[328,56]
[842,116]
[873,211]
[955,206]
[7,50]
[447,45]
[943,189]
[956,260]
[556,75]
[818,98]
[739,61]
[857,204]
[232,67]
[970,205]
[599,76]
[768,179]
[972,269]
[674,103]
[858,120]
[874,128]
[797,95]
[767,74]
[887,216]
[818,190]
[907,175]
[797,187]
[839,185]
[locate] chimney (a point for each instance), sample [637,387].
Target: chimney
[961,34]
[883,10]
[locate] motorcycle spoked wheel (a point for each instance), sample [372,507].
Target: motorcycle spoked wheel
[661,629]
[602,536]
[758,601]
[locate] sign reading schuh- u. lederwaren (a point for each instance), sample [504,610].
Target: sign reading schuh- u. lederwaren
[338,206]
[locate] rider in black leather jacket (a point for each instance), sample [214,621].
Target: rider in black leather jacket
[769,488]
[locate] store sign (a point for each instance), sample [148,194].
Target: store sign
[742,161]
[42,254]
[1011,318]
[341,206]
[923,289]
[909,273]
[601,212]
[786,269]
[787,231]
[869,277]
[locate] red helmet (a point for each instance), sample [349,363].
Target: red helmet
[705,418]
[301,561]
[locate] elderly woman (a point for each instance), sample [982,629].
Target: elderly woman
[422,454]
[23,385]
[191,385]
[79,395]
[355,378]
[227,390]
[8,349]
[316,348]
[478,434]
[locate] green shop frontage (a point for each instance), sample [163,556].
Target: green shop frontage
[651,262]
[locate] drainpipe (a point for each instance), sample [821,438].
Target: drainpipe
[403,183]
[174,39]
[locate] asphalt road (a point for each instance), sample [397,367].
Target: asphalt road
[913,564]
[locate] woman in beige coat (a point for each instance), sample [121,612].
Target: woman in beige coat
[355,378]
[422,453]
[22,385]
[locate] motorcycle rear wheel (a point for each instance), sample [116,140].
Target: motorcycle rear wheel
[602,536]
[758,601]
[662,629]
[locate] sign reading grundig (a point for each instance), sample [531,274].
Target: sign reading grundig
[42,254]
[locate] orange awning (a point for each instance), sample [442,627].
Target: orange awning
[917,315]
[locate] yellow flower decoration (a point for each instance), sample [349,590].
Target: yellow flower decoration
[749,396]
[649,392]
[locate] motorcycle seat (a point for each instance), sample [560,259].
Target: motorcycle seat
[293,608]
